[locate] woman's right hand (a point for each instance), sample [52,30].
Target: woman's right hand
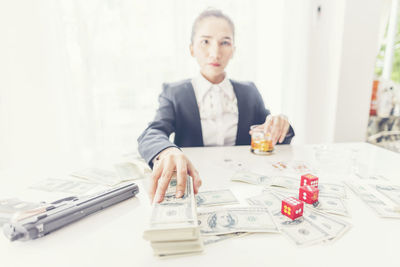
[168,161]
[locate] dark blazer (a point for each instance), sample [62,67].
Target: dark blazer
[178,112]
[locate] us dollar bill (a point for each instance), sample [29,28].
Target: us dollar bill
[266,199]
[390,191]
[132,170]
[174,210]
[245,219]
[212,239]
[331,204]
[71,186]
[301,231]
[371,199]
[326,203]
[174,218]
[334,189]
[216,197]
[332,225]
[251,178]
[98,176]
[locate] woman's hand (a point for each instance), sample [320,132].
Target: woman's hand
[170,160]
[277,126]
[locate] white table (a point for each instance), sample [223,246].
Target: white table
[113,237]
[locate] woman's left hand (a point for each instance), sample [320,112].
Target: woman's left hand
[277,126]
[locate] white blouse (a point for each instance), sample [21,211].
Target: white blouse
[218,111]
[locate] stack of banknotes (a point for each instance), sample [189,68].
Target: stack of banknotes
[173,227]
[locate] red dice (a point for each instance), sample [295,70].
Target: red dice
[309,179]
[308,194]
[292,208]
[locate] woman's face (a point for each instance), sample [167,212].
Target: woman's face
[213,47]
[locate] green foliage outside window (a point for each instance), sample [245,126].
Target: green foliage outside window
[396,57]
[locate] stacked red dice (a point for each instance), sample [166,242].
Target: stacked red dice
[292,208]
[309,179]
[308,194]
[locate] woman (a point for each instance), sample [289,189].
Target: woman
[208,110]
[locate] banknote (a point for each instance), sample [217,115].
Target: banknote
[71,186]
[98,176]
[212,239]
[372,178]
[244,219]
[327,203]
[266,199]
[334,189]
[371,199]
[251,178]
[313,227]
[9,207]
[331,204]
[331,225]
[294,166]
[390,191]
[285,182]
[232,164]
[177,247]
[216,197]
[131,170]
[294,183]
[302,231]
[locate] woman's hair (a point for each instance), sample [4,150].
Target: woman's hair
[211,12]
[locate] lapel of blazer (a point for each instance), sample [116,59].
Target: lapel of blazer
[195,123]
[242,131]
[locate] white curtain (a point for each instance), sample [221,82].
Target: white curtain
[81,78]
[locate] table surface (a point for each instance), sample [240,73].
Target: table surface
[114,236]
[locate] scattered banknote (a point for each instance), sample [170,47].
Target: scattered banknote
[313,227]
[294,166]
[216,197]
[332,189]
[251,178]
[301,231]
[332,225]
[371,199]
[64,186]
[331,204]
[300,167]
[10,207]
[266,199]
[98,176]
[132,170]
[232,220]
[294,183]
[212,239]
[233,165]
[285,182]
[326,203]
[372,178]
[173,227]
[390,191]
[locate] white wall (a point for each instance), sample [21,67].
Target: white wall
[359,50]
[29,72]
[328,89]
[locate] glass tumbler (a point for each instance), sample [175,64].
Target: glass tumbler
[261,143]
